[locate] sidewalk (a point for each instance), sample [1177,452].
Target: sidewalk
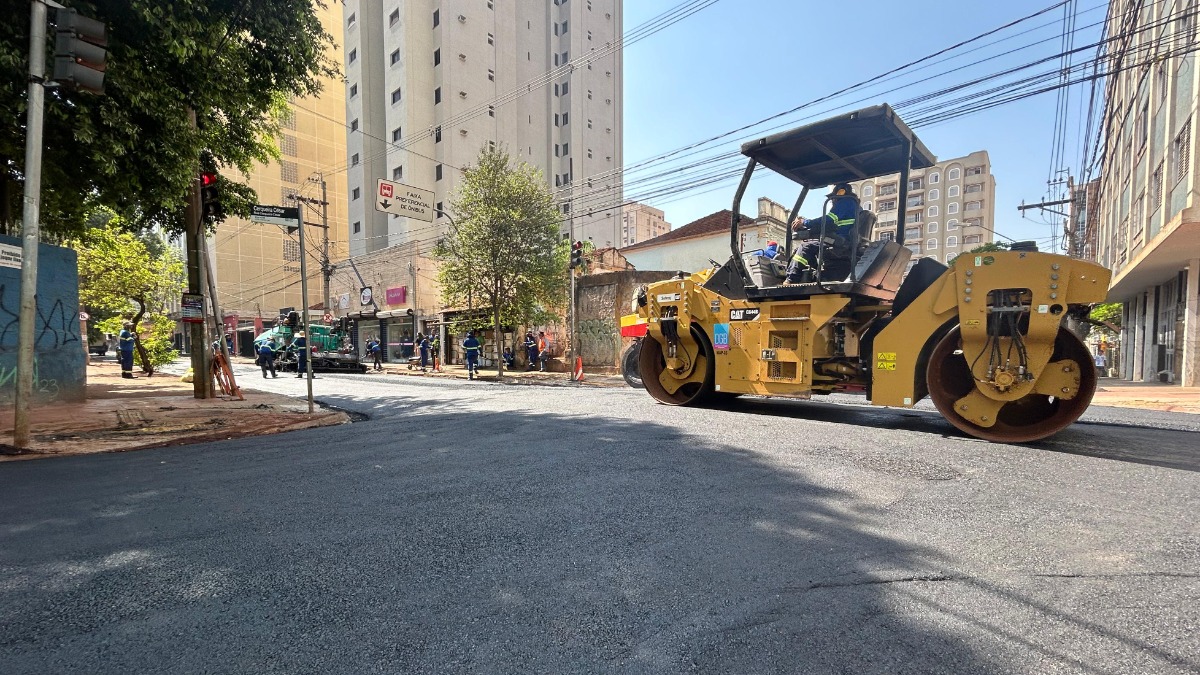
[152,412]
[1147,396]
[517,376]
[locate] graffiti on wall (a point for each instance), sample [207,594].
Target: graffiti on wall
[598,341]
[55,328]
[46,388]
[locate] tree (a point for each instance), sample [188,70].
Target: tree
[134,150]
[121,279]
[990,247]
[505,252]
[1108,316]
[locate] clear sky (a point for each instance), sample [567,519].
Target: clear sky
[739,61]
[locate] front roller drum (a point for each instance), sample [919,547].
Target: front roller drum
[691,387]
[1029,418]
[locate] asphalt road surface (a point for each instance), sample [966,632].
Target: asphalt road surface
[488,528]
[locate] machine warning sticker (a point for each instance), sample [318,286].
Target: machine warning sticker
[885,365]
[721,337]
[668,297]
[885,356]
[984,260]
[715,306]
[748,314]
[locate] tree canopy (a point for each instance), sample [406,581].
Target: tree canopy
[504,253]
[989,247]
[133,149]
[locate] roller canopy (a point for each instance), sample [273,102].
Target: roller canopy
[863,144]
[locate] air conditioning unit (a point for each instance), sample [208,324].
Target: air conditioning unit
[462,94]
[462,18]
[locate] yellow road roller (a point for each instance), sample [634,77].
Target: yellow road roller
[985,338]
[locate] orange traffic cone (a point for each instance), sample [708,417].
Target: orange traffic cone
[579,369]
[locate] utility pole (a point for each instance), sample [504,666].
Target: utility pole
[304,314]
[326,268]
[193,239]
[30,225]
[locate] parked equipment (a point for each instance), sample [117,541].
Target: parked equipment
[330,346]
[984,338]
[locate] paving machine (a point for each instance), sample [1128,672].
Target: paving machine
[985,338]
[330,348]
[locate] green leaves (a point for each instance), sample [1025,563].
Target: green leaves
[505,253]
[134,150]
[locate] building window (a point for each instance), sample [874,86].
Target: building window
[972,239]
[589,124]
[887,235]
[437,172]
[887,205]
[350,21]
[394,18]
[931,227]
[889,189]
[354,159]
[1156,188]
[973,187]
[1181,150]
[357,227]
[934,194]
[398,173]
[491,111]
[353,56]
[935,178]
[974,222]
[915,217]
[933,211]
[916,184]
[952,174]
[356,193]
[395,57]
[353,90]
[953,191]
[491,75]
[396,134]
[868,190]
[951,241]
[974,170]
[952,207]
[437,208]
[589,153]
[396,96]
[437,135]
[287,145]
[931,244]
[952,224]
[354,125]
[437,18]
[288,171]
[866,206]
[437,57]
[491,39]
[437,95]
[973,206]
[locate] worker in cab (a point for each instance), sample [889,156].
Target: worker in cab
[838,226]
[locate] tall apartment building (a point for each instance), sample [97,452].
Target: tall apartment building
[429,83]
[257,265]
[1149,223]
[951,206]
[640,222]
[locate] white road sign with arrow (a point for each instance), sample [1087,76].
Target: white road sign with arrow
[403,200]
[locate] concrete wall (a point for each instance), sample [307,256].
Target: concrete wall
[59,357]
[688,255]
[602,299]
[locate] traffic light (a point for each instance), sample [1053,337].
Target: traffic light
[79,54]
[576,254]
[210,196]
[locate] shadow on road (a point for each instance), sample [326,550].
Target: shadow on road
[451,541]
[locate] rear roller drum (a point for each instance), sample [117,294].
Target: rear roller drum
[1030,418]
[693,385]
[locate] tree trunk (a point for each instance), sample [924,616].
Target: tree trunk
[147,367]
[499,339]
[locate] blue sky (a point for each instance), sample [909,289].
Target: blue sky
[740,61]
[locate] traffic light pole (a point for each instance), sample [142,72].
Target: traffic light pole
[304,314]
[30,217]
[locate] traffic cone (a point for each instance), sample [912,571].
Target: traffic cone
[579,369]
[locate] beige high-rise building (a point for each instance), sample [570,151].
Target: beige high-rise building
[430,83]
[640,222]
[258,265]
[1149,194]
[951,206]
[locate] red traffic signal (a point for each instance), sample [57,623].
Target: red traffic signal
[207,179]
[210,196]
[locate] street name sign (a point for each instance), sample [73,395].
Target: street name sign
[403,200]
[283,216]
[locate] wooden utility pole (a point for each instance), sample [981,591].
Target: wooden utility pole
[193,239]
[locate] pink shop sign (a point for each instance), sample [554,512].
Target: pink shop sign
[397,296]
